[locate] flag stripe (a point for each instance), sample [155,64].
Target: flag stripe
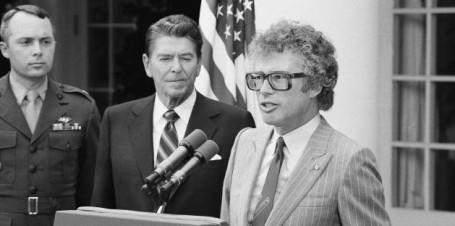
[216,77]
[240,102]
[217,51]
[225,24]
[211,5]
[216,60]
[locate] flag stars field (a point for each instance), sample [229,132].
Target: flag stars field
[229,10]
[247,5]
[227,27]
[239,15]
[219,11]
[227,32]
[237,36]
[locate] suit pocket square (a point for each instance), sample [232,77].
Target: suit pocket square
[216,157]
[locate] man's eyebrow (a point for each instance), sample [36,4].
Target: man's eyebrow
[24,38]
[172,54]
[186,54]
[28,38]
[165,54]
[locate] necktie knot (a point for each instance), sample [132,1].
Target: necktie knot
[169,139]
[171,116]
[32,95]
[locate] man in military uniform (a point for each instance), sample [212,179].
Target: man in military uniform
[48,131]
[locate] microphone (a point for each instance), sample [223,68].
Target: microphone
[200,157]
[186,146]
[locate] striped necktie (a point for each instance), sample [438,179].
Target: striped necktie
[266,200]
[169,140]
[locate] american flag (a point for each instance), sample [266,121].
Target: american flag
[227,27]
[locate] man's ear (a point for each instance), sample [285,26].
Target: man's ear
[4,48]
[315,92]
[199,65]
[145,61]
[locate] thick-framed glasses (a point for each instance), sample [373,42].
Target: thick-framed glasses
[278,80]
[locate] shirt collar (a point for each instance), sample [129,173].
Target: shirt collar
[299,137]
[20,90]
[183,110]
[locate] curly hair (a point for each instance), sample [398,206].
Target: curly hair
[316,52]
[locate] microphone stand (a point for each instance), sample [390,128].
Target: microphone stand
[159,190]
[157,194]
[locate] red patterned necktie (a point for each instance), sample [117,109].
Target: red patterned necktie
[169,140]
[266,200]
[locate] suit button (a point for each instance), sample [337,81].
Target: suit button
[32,168]
[33,190]
[68,145]
[59,96]
[32,149]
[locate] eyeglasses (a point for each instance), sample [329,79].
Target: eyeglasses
[278,80]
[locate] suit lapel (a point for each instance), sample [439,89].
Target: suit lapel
[10,111]
[140,131]
[252,161]
[53,108]
[201,117]
[308,169]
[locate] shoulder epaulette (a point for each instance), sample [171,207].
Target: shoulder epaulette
[72,89]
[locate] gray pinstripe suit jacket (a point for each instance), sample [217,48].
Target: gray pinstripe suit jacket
[335,182]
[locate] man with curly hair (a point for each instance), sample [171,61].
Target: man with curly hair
[299,170]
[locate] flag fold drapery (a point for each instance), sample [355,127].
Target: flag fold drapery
[228,27]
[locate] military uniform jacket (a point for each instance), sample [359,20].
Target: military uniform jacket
[56,163]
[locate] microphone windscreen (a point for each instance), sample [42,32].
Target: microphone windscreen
[208,149]
[194,139]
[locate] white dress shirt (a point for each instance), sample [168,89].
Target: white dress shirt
[295,141]
[159,122]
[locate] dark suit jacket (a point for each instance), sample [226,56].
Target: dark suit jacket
[125,157]
[49,163]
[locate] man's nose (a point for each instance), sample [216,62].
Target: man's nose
[266,88]
[37,48]
[176,65]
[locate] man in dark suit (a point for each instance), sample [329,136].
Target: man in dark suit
[130,135]
[48,131]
